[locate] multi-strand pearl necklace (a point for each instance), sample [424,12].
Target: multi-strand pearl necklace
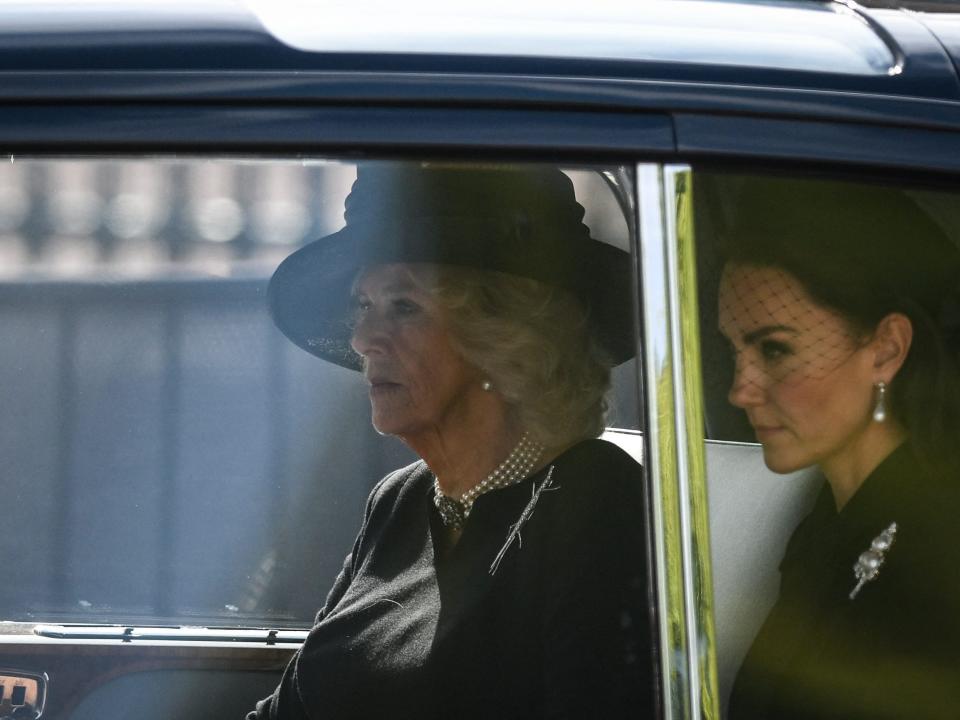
[517,465]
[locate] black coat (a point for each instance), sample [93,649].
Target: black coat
[894,650]
[561,629]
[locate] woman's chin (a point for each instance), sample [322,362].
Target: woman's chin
[386,427]
[391,416]
[782,462]
[391,424]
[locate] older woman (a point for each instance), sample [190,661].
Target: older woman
[503,575]
[837,301]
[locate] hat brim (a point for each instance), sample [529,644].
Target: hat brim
[309,295]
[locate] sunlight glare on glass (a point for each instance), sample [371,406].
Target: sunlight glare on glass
[795,35]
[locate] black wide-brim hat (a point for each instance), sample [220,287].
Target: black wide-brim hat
[521,220]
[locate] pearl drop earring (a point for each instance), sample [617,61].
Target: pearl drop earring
[880,409]
[487,385]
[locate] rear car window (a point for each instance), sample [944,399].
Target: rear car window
[169,456]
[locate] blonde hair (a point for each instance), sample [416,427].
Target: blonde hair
[533,341]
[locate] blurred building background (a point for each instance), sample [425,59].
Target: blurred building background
[157,217]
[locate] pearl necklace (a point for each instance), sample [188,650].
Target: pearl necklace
[517,465]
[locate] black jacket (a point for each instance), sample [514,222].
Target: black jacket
[561,629]
[894,650]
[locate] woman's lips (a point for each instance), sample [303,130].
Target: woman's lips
[380,388]
[767,432]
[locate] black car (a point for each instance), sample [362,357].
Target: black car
[180,485]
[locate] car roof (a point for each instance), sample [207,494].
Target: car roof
[608,51]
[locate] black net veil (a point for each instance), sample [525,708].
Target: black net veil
[796,274]
[774,329]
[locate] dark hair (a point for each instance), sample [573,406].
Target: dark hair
[865,252]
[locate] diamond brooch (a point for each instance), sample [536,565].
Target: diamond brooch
[869,563]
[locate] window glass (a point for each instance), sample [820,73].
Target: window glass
[168,455]
[830,372]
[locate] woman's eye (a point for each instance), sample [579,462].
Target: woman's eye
[773,350]
[403,307]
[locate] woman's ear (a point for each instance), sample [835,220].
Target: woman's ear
[891,343]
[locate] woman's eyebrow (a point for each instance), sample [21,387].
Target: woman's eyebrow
[399,286]
[754,335]
[394,287]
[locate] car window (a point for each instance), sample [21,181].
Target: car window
[828,327]
[168,456]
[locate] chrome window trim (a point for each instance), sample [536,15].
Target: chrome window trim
[675,457]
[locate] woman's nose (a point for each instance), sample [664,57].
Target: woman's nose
[747,388]
[369,333]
